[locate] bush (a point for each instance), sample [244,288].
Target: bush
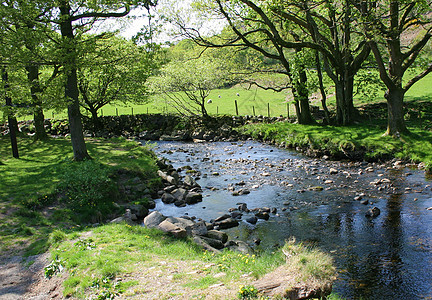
[86,188]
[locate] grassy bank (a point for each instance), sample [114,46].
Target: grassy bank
[45,190]
[363,141]
[42,207]
[114,259]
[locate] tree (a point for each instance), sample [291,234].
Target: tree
[330,28]
[276,27]
[84,15]
[253,28]
[187,84]
[13,127]
[19,21]
[116,71]
[397,31]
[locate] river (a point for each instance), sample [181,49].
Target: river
[322,203]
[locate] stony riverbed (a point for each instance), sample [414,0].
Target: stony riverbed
[320,202]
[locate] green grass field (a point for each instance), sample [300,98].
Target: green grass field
[248,101]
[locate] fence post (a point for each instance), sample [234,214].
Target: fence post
[268,109]
[53,115]
[116,112]
[288,110]
[147,110]
[101,112]
[236,107]
[132,110]
[217,110]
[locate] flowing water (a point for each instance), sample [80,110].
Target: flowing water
[387,257]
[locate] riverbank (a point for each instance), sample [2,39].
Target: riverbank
[352,143]
[43,206]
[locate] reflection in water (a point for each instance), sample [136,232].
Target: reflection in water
[389,257]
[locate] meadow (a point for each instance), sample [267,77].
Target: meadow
[250,101]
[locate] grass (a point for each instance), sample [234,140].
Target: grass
[32,220]
[100,256]
[308,264]
[366,137]
[29,185]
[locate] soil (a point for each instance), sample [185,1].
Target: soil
[23,278]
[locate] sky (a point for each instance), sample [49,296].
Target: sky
[132,24]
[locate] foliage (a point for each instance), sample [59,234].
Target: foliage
[186,85]
[53,268]
[247,292]
[86,187]
[115,71]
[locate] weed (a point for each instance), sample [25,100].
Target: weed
[56,237]
[247,292]
[53,268]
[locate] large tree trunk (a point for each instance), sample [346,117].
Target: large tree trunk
[12,121]
[345,110]
[35,89]
[71,88]
[396,123]
[304,115]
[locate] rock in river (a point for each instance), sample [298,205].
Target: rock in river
[373,212]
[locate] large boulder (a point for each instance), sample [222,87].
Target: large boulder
[139,210]
[190,182]
[154,219]
[218,235]
[239,246]
[199,228]
[202,243]
[192,198]
[252,220]
[182,222]
[373,212]
[168,198]
[227,223]
[172,229]
[168,178]
[123,219]
[262,215]
[179,194]
[213,242]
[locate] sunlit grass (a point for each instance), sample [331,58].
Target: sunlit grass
[368,137]
[29,183]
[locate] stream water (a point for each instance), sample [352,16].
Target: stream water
[319,202]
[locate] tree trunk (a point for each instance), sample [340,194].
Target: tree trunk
[305,116]
[95,119]
[322,89]
[345,110]
[35,90]
[12,121]
[396,123]
[75,121]
[71,88]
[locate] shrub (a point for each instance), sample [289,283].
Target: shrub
[86,188]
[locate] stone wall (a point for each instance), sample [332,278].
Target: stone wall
[152,127]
